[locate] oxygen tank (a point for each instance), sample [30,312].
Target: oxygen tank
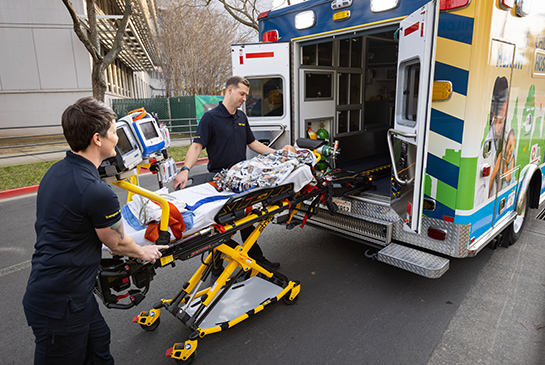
[322,133]
[311,133]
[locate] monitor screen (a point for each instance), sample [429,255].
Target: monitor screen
[148,130]
[123,144]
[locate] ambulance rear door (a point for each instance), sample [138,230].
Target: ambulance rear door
[408,140]
[267,67]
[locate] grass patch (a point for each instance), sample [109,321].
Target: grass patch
[12,177]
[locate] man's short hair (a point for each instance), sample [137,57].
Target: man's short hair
[235,80]
[83,119]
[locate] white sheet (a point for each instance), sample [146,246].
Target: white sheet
[204,214]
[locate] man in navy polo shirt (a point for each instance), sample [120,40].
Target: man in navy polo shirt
[225,132]
[75,213]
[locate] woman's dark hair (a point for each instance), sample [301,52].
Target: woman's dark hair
[83,119]
[499,96]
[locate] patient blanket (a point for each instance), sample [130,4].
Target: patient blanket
[263,170]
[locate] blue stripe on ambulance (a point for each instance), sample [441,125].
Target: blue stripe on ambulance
[457,76]
[447,125]
[443,170]
[455,27]
[481,219]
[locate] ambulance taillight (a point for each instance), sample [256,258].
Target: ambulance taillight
[485,170]
[507,4]
[454,4]
[437,234]
[270,36]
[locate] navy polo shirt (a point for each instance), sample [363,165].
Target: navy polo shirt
[225,136]
[72,201]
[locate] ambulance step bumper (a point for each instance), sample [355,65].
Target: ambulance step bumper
[418,262]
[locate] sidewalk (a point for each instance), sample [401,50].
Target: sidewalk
[32,157]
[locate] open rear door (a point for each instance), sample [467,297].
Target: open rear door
[267,67]
[408,140]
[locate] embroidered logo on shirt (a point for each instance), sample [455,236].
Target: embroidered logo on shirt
[242,124]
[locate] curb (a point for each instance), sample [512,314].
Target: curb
[34,188]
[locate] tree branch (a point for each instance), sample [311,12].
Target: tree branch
[93,51]
[233,10]
[118,41]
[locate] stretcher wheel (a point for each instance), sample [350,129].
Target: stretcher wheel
[189,360]
[287,301]
[153,326]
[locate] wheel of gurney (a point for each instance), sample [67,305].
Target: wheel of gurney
[153,327]
[189,360]
[287,301]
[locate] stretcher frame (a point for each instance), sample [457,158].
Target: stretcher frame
[239,266]
[255,207]
[235,215]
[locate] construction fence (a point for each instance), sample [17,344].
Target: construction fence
[181,114]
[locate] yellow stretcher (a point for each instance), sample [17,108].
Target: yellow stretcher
[210,309]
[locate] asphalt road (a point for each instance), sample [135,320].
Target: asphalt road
[352,310]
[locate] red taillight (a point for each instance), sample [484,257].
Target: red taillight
[437,234]
[507,4]
[452,4]
[485,170]
[270,36]
[263,15]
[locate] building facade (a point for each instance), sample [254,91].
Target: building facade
[44,67]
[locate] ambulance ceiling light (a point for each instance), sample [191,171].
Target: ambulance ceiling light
[452,4]
[507,4]
[382,5]
[305,20]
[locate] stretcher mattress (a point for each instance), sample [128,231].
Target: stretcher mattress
[202,203]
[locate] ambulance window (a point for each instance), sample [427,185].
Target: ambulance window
[318,86]
[325,51]
[350,52]
[266,97]
[320,54]
[309,55]
[412,78]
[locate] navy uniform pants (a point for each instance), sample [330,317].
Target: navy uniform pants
[81,337]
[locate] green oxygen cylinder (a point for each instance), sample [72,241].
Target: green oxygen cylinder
[322,133]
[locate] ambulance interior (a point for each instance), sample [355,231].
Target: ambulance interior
[351,82]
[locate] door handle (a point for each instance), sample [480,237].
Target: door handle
[392,132]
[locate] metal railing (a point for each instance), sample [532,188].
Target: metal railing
[180,129]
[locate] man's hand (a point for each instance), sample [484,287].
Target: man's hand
[151,252]
[115,239]
[180,180]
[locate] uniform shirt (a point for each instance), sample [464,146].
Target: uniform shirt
[72,201]
[225,136]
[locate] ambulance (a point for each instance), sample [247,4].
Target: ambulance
[442,102]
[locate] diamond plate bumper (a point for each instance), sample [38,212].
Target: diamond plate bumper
[418,262]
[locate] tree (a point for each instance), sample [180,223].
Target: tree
[243,11]
[91,41]
[246,11]
[195,47]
